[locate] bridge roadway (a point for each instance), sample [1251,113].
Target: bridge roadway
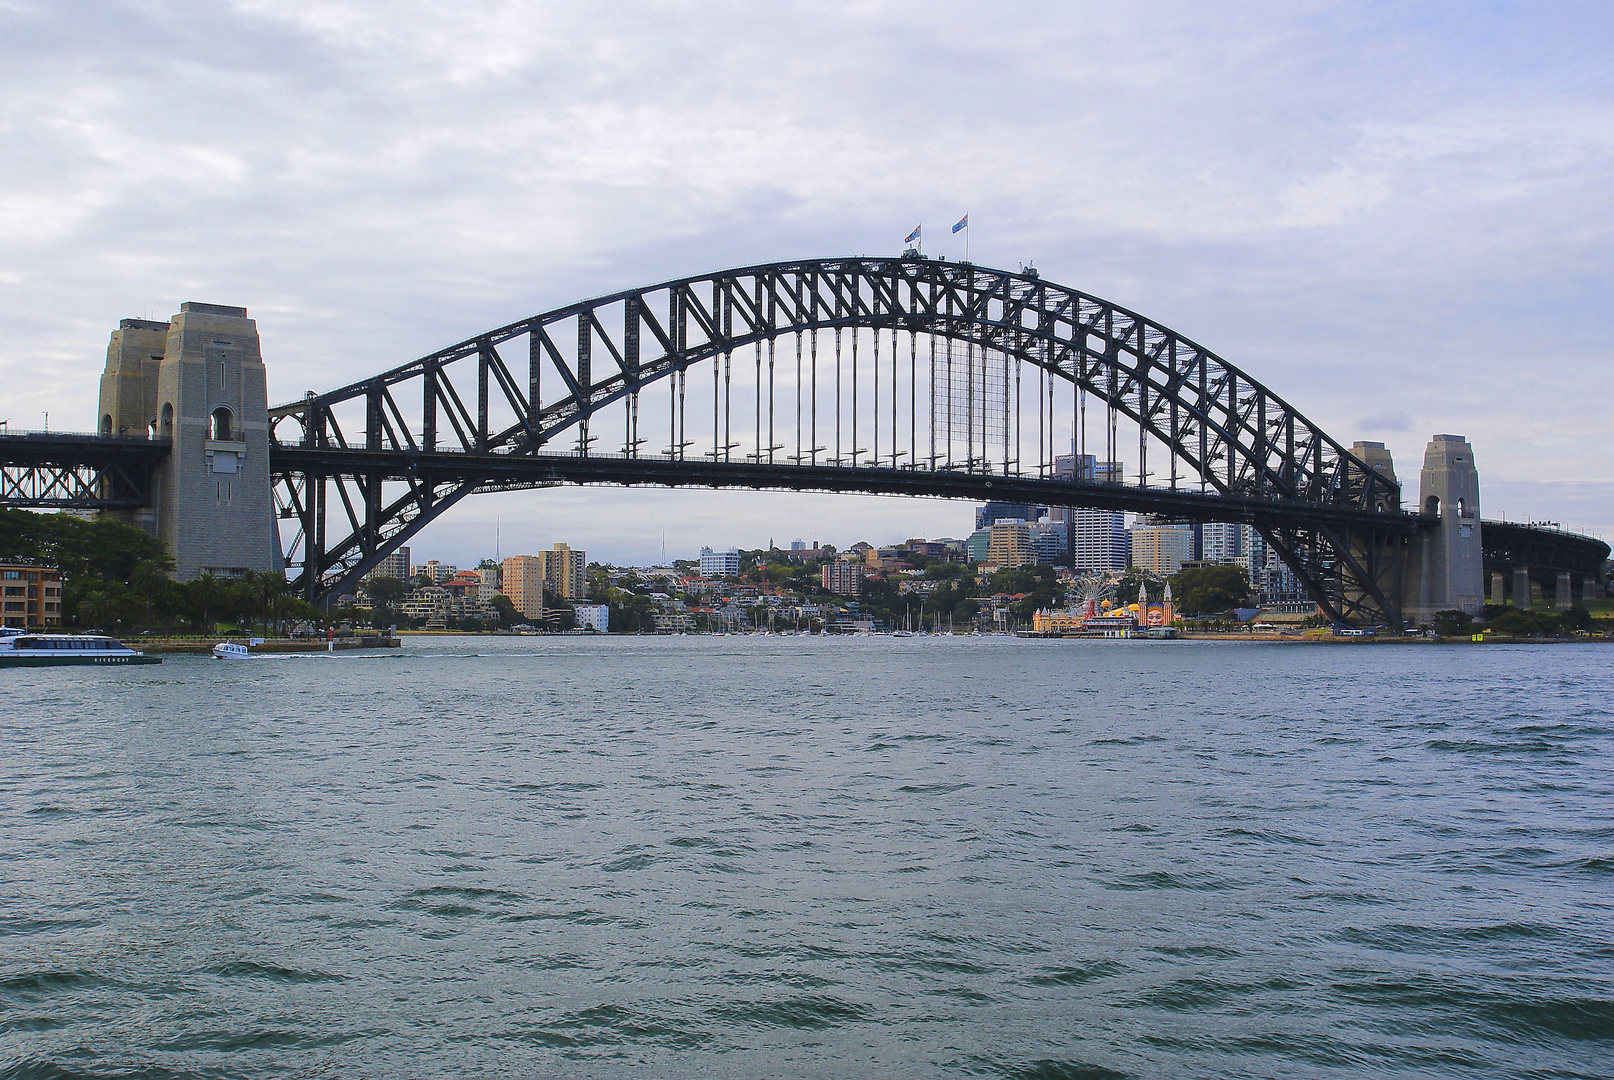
[72,470]
[539,469]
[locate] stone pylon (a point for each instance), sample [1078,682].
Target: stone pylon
[1384,565]
[198,383]
[1444,566]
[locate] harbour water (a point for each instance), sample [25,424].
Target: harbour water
[765,856]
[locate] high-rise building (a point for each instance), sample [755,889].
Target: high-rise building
[439,572]
[1278,583]
[1009,544]
[1098,538]
[1161,548]
[395,565]
[521,578]
[1101,541]
[1086,467]
[992,512]
[1219,542]
[843,577]
[1049,543]
[979,540]
[566,571]
[718,564]
[1074,466]
[1252,555]
[1271,580]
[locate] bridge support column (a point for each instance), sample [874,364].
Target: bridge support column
[1499,582]
[1565,599]
[197,382]
[1521,587]
[1383,561]
[1588,590]
[1445,566]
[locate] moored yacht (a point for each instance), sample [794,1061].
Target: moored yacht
[23,648]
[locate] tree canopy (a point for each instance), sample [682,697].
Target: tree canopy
[1210,589]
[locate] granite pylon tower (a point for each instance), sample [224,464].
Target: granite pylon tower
[198,383]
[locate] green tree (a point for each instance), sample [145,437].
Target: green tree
[1210,589]
[385,593]
[289,608]
[97,609]
[204,593]
[102,556]
[268,587]
[239,601]
[150,580]
[1126,590]
[1453,623]
[1516,622]
[1576,618]
[508,615]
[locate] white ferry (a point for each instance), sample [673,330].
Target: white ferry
[230,650]
[22,648]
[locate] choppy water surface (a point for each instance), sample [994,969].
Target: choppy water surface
[773,856]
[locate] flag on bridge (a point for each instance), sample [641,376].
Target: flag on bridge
[913,235]
[963,223]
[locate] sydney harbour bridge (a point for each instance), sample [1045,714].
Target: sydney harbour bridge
[908,376]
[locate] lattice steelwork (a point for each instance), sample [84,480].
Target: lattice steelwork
[822,374]
[974,404]
[61,471]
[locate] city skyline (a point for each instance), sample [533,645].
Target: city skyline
[1329,197]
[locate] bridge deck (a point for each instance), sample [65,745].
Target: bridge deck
[539,469]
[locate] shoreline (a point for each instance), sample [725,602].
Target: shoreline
[202,646]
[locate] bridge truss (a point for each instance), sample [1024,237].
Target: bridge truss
[909,376]
[70,471]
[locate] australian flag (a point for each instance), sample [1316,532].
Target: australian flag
[963,223]
[913,235]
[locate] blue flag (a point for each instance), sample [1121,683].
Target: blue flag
[963,223]
[913,235]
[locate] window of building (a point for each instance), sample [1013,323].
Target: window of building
[167,426]
[223,427]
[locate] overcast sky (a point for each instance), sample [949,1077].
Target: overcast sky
[1398,216]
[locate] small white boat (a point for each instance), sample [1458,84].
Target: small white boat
[230,650]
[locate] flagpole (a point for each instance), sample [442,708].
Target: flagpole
[966,236]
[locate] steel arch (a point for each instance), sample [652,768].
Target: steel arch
[1231,435]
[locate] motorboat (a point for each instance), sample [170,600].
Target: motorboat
[230,650]
[23,648]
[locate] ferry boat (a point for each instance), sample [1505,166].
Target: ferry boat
[230,650]
[22,648]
